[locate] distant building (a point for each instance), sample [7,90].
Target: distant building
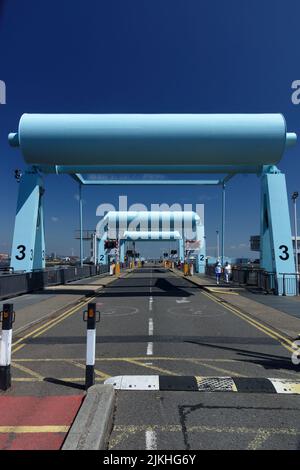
[255,244]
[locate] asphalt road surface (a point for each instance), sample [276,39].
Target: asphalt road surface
[155,323]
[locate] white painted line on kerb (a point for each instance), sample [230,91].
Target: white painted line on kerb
[150,303]
[151,440]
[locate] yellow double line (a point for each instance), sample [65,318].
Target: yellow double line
[283,340]
[21,342]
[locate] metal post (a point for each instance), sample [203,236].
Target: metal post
[80,226]
[294,198]
[90,316]
[218,245]
[283,285]
[7,318]
[95,251]
[223,224]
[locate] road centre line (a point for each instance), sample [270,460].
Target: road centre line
[151,440]
[150,333]
[150,328]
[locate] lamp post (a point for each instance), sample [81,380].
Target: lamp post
[294,199]
[218,245]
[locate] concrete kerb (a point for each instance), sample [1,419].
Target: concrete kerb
[92,426]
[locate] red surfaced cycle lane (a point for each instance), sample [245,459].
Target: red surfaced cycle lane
[36,423]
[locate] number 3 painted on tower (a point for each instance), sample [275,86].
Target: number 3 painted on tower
[284,249]
[21,254]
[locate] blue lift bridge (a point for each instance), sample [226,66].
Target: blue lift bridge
[80,144]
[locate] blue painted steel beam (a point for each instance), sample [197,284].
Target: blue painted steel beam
[157,169]
[150,182]
[151,235]
[172,169]
[152,139]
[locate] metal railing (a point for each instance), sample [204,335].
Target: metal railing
[252,277]
[22,282]
[288,283]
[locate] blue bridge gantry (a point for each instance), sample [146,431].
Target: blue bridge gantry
[229,144]
[152,226]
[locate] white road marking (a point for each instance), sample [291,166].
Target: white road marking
[150,349]
[183,301]
[150,328]
[151,440]
[150,331]
[91,347]
[134,382]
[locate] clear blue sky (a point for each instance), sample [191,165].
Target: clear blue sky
[146,56]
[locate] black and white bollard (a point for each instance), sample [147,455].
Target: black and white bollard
[7,317]
[91,316]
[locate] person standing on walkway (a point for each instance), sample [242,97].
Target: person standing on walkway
[218,271]
[227,271]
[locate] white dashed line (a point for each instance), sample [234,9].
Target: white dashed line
[151,440]
[150,331]
[150,349]
[150,327]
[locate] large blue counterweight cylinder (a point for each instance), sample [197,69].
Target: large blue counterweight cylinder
[152,139]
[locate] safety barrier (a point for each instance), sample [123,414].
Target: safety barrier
[252,277]
[288,283]
[22,283]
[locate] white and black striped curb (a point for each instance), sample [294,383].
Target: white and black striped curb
[204,384]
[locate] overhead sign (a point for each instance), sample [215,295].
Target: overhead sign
[192,245]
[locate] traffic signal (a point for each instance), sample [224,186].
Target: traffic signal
[110,244]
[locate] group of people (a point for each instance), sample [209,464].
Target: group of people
[226,270]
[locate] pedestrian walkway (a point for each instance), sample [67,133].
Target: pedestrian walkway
[286,304]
